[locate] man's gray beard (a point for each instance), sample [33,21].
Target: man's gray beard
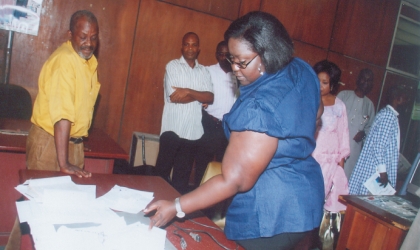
[85,57]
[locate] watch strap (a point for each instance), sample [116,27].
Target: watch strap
[179,212]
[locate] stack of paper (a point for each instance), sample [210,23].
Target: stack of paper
[64,215]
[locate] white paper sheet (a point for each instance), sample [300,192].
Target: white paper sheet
[373,185]
[69,217]
[126,200]
[27,210]
[136,235]
[34,189]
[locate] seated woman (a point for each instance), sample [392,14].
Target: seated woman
[277,185]
[332,144]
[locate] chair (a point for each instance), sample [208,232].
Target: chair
[213,168]
[15,102]
[217,212]
[144,151]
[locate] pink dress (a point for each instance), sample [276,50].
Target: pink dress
[332,145]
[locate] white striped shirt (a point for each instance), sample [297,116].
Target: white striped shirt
[225,89]
[184,118]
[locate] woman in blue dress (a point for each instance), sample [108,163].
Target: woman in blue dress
[277,186]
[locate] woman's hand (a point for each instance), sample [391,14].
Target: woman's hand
[341,163]
[165,212]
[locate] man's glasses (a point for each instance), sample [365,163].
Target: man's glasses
[241,65]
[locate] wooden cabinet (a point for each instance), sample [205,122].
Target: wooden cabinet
[369,227]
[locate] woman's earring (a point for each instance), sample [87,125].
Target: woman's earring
[259,69]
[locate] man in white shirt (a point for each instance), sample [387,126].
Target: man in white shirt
[187,85]
[213,144]
[360,115]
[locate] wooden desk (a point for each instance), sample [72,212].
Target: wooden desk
[99,158]
[100,149]
[367,226]
[161,189]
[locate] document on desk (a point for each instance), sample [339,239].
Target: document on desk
[58,200]
[374,186]
[116,235]
[63,215]
[34,189]
[126,199]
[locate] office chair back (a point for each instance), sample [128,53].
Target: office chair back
[213,168]
[15,102]
[217,212]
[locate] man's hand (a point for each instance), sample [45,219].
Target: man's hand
[71,169]
[181,95]
[61,139]
[186,95]
[383,179]
[359,136]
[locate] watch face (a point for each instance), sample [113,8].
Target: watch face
[180,214]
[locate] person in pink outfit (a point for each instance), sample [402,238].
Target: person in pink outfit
[332,138]
[332,147]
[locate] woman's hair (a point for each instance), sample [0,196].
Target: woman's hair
[265,35]
[331,69]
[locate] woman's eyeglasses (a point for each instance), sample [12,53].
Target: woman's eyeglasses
[241,65]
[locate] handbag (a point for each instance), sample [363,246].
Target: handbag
[330,229]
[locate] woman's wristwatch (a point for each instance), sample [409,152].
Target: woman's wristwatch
[179,212]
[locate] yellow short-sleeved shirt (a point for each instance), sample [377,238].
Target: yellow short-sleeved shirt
[68,88]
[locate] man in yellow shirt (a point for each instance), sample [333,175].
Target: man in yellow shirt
[68,88]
